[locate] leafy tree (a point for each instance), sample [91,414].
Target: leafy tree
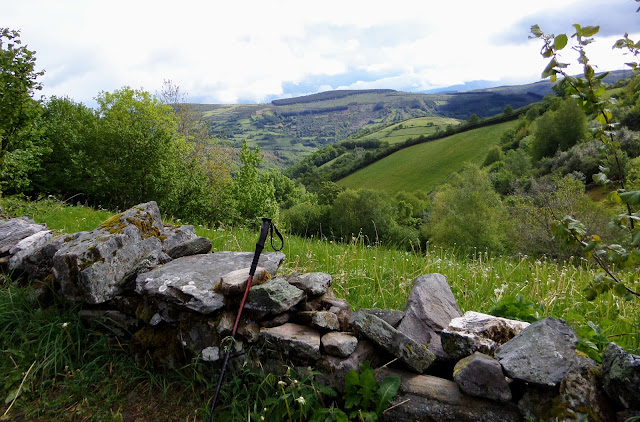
[559,130]
[20,149]
[467,212]
[588,90]
[252,196]
[68,129]
[135,155]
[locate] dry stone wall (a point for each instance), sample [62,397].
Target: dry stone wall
[160,285]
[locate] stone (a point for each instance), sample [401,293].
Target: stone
[430,399]
[279,319]
[182,241]
[225,326]
[235,282]
[36,261]
[429,309]
[313,284]
[197,246]
[294,340]
[333,369]
[323,320]
[477,332]
[273,297]
[94,266]
[541,354]
[391,317]
[480,375]
[414,355]
[621,376]
[190,281]
[340,307]
[339,344]
[14,230]
[578,397]
[250,331]
[118,323]
[210,354]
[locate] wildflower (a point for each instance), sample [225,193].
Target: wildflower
[281,383]
[300,400]
[65,325]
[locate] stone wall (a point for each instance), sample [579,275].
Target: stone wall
[161,285]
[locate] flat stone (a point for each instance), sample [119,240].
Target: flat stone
[429,309]
[480,375]
[430,399]
[339,344]
[622,376]
[414,355]
[273,297]
[33,255]
[190,281]
[294,340]
[313,284]
[14,230]
[478,332]
[541,354]
[235,282]
[197,246]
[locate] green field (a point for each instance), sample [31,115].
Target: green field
[424,166]
[412,128]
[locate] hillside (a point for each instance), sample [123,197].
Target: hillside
[424,166]
[290,129]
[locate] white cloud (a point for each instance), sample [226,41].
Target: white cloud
[225,52]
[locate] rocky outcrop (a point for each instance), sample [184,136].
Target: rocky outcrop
[622,376]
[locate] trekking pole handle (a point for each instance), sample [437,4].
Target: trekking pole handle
[266,223]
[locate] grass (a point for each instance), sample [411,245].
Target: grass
[424,166]
[75,372]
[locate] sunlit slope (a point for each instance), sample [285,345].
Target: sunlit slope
[424,166]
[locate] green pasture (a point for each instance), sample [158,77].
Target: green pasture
[426,165]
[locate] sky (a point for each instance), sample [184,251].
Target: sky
[250,51]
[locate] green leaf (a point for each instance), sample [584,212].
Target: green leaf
[590,294]
[535,30]
[560,42]
[620,290]
[589,31]
[387,391]
[631,198]
[635,238]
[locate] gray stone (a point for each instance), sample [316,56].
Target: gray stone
[250,331]
[333,369]
[391,317]
[622,376]
[197,246]
[294,340]
[210,354]
[429,309]
[36,260]
[279,319]
[340,307]
[14,230]
[313,284]
[477,332]
[541,354]
[414,355]
[323,320]
[578,397]
[480,375]
[339,344]
[426,398]
[190,281]
[273,297]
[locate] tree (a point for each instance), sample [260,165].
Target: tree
[20,151]
[135,155]
[588,90]
[467,212]
[251,195]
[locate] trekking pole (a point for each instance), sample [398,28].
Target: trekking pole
[267,226]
